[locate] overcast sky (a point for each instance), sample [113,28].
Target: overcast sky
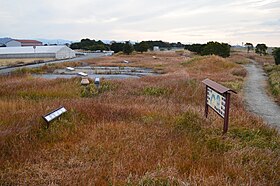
[187,21]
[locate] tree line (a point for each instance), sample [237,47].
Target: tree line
[210,48]
[126,47]
[261,49]
[221,49]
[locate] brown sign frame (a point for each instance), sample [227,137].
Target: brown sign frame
[224,92]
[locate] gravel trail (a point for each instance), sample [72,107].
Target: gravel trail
[256,97]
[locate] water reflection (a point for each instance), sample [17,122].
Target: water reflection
[100,72]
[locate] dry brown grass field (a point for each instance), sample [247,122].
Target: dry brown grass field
[147,131]
[244,56]
[10,62]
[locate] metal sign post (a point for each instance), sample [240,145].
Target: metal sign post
[218,98]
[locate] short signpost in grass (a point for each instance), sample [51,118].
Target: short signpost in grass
[218,98]
[53,115]
[97,82]
[85,81]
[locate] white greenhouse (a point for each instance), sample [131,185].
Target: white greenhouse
[57,52]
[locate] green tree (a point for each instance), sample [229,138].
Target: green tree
[249,47]
[88,44]
[261,49]
[128,48]
[97,47]
[160,44]
[195,48]
[141,47]
[216,48]
[117,47]
[276,55]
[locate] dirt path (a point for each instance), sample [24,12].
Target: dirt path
[256,97]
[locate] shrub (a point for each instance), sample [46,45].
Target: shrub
[262,138]
[190,122]
[276,55]
[91,90]
[141,47]
[117,47]
[195,48]
[155,91]
[273,72]
[261,49]
[217,145]
[128,48]
[216,48]
[88,44]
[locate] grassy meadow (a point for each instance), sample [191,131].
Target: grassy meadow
[147,131]
[20,61]
[273,72]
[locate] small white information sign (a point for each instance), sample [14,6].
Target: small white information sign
[54,114]
[70,68]
[82,74]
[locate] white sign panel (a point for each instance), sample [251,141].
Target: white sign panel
[51,116]
[216,101]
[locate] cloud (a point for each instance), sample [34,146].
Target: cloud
[177,20]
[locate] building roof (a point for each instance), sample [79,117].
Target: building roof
[25,50]
[5,40]
[27,41]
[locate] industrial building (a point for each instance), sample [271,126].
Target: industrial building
[9,42]
[23,43]
[57,52]
[4,40]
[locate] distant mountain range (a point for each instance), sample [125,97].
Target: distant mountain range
[63,41]
[55,41]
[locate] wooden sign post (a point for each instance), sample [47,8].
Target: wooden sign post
[218,98]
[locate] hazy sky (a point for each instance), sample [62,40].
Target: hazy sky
[187,21]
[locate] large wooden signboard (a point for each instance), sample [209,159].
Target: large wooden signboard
[218,98]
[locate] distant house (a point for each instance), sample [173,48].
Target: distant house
[57,52]
[13,43]
[270,50]
[23,43]
[156,48]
